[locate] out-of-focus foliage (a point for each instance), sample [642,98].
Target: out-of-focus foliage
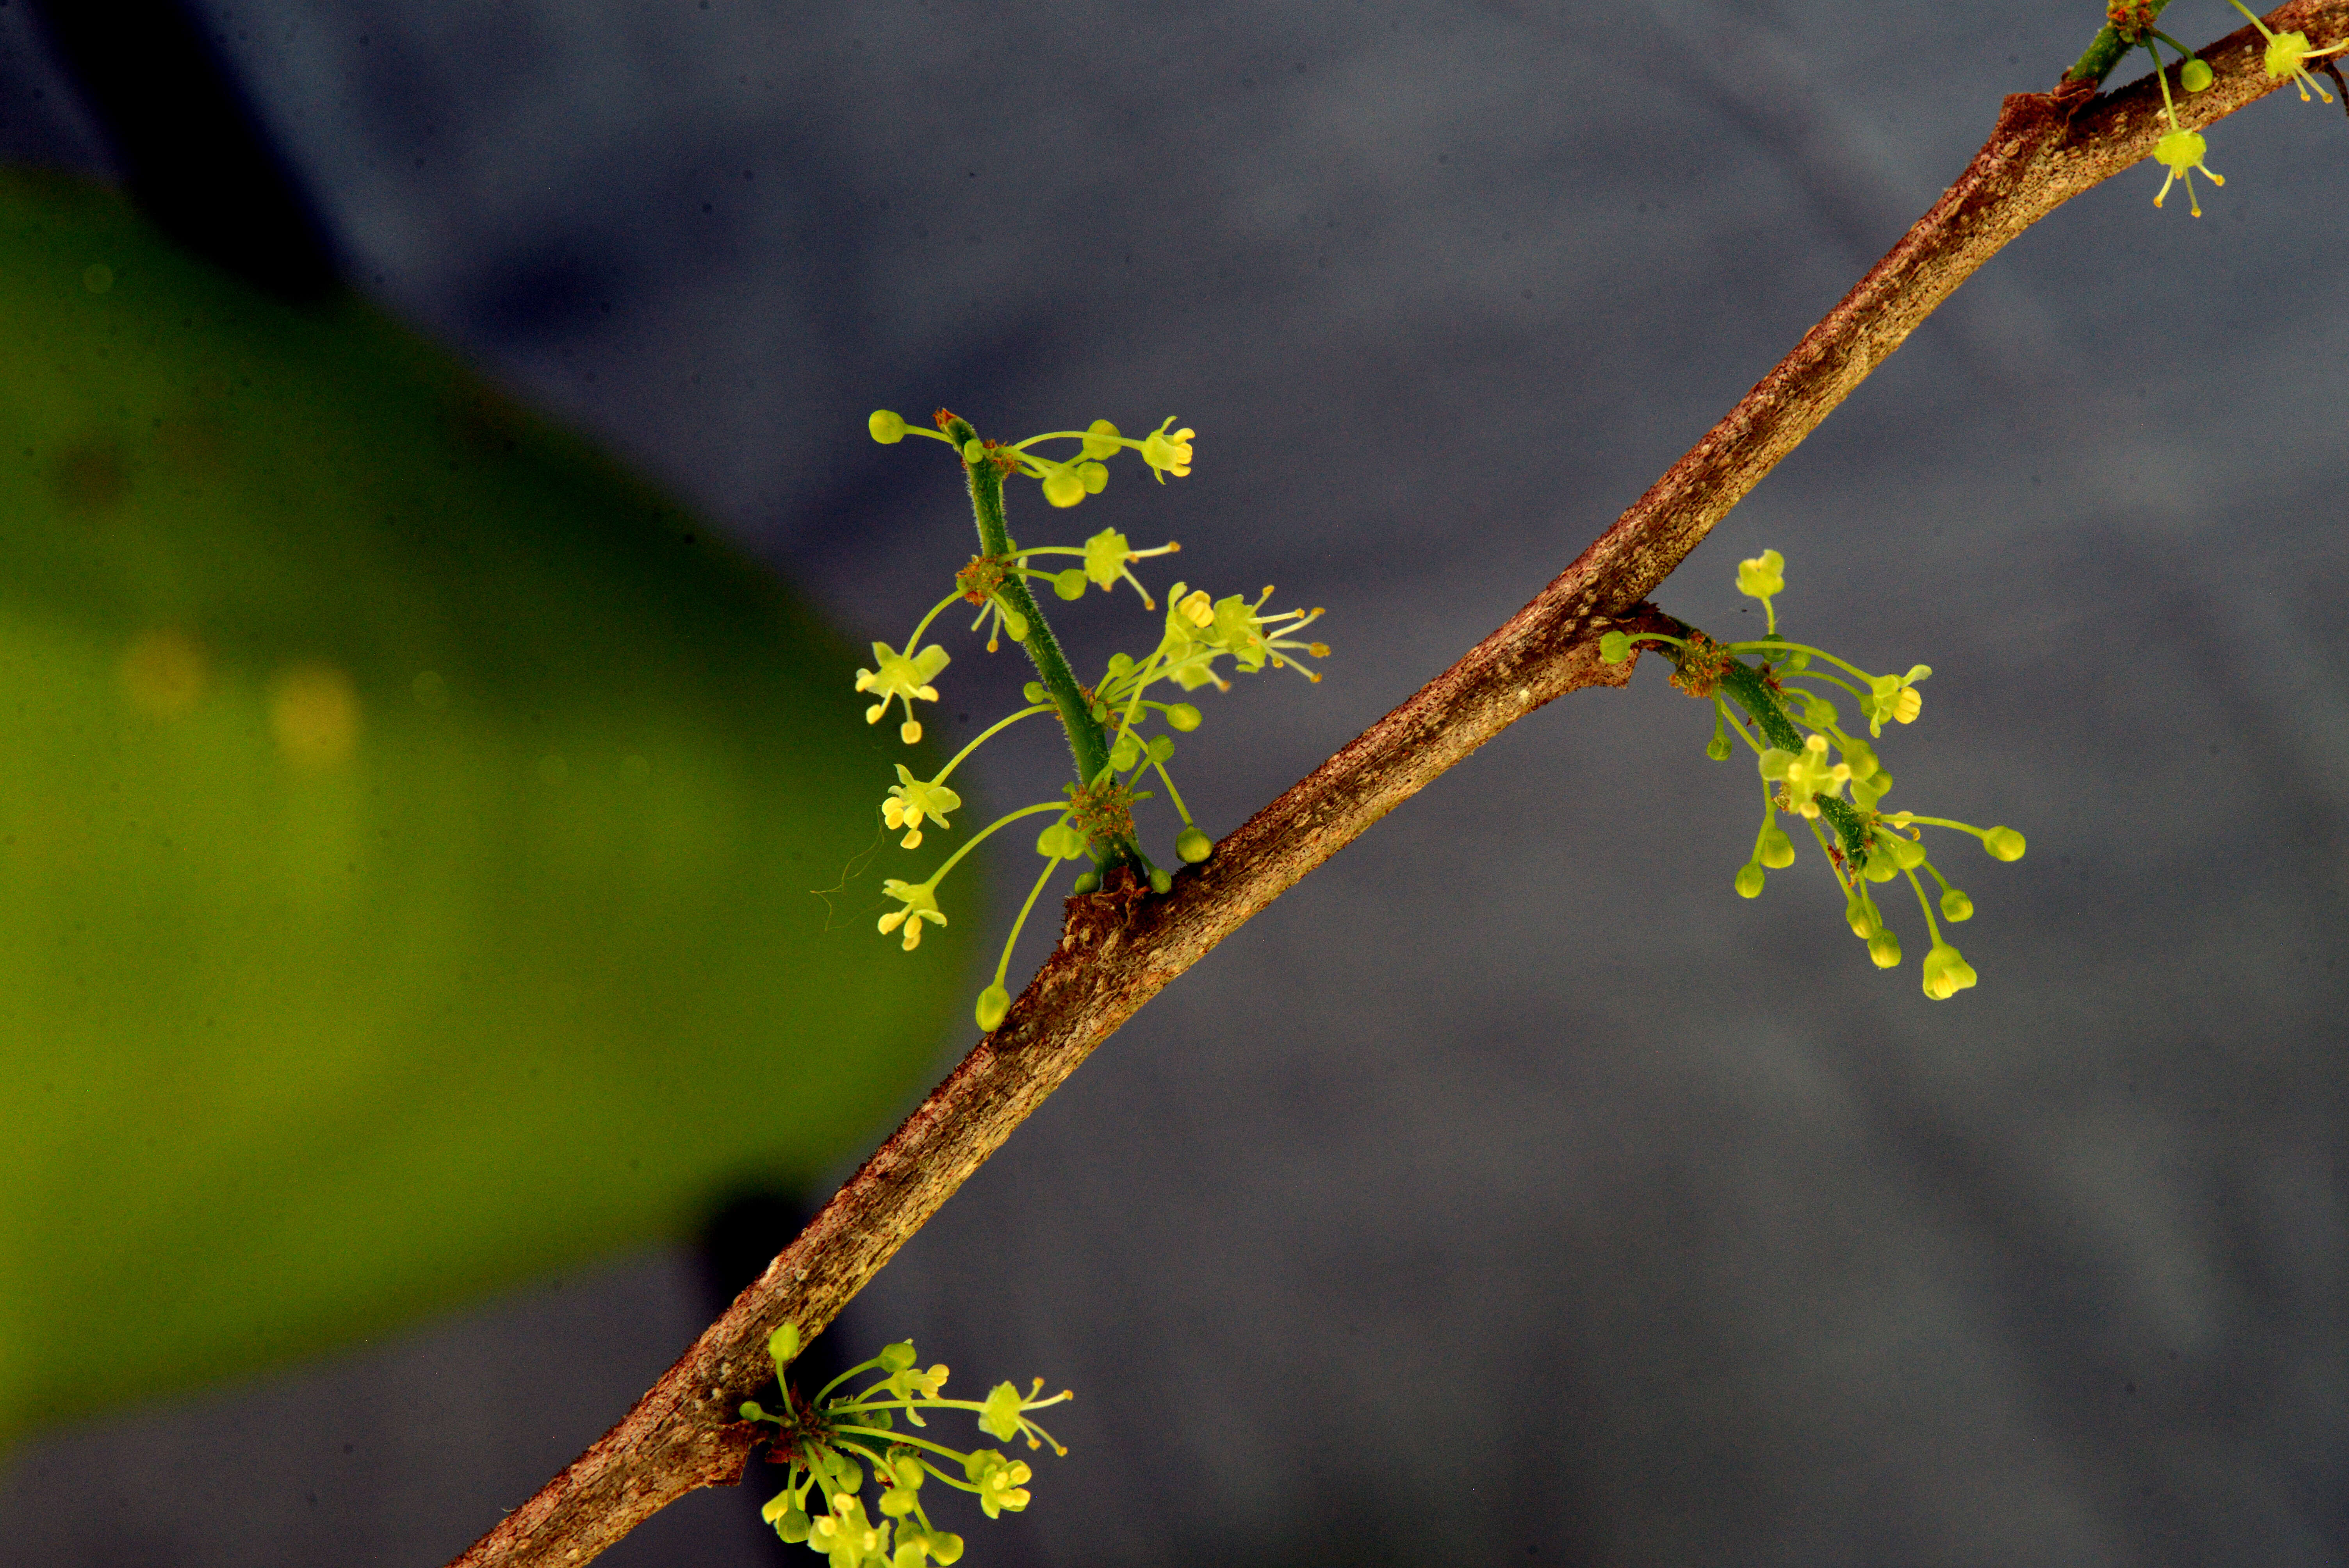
[406,826]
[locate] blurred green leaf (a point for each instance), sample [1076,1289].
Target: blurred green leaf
[406,826]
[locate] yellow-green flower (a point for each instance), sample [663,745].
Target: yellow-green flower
[1168,454]
[910,801]
[921,902]
[2181,153]
[902,677]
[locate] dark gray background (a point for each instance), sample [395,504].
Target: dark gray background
[1510,1191]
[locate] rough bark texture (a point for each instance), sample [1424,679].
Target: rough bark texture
[1118,950]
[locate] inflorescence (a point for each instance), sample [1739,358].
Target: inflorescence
[831,1439]
[2128,24]
[1104,721]
[1807,775]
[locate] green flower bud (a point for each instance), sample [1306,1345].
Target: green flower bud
[1774,763]
[1063,487]
[1089,882]
[945,1546]
[1100,439]
[1033,691]
[1182,716]
[1193,846]
[896,1357]
[974,451]
[1749,881]
[897,1504]
[789,1522]
[1956,906]
[752,1410]
[1125,753]
[2003,844]
[1777,851]
[887,428]
[1865,793]
[1015,624]
[1718,746]
[1162,880]
[1880,867]
[783,1344]
[2195,76]
[1069,585]
[1094,477]
[1885,948]
[1161,748]
[1906,853]
[1861,916]
[1946,973]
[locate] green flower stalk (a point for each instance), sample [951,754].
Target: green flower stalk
[1829,779]
[830,1441]
[1104,722]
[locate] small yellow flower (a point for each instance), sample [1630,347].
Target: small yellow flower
[910,800]
[902,677]
[2288,56]
[921,902]
[2181,151]
[1168,454]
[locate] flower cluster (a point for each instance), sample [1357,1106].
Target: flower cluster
[830,1440]
[1830,778]
[1117,731]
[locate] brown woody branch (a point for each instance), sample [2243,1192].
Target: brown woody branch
[1117,950]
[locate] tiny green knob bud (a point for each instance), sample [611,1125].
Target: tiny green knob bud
[1614,648]
[1161,747]
[783,1344]
[1100,439]
[1063,487]
[1193,846]
[752,1410]
[1718,746]
[945,1546]
[897,1503]
[974,451]
[1125,753]
[1015,625]
[1956,906]
[790,1523]
[1777,851]
[2003,844]
[1089,882]
[1069,585]
[1162,880]
[887,428]
[1885,948]
[899,1357]
[1182,716]
[2195,76]
[1906,853]
[1033,691]
[1749,881]
[1094,477]
[1861,916]
[993,1003]
[1880,867]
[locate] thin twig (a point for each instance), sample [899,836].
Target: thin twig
[1118,950]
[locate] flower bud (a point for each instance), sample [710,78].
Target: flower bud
[1749,881]
[783,1344]
[1614,648]
[1861,916]
[945,1546]
[911,731]
[2195,76]
[790,1523]
[1182,716]
[1100,439]
[1033,691]
[1089,882]
[1718,746]
[1125,753]
[1193,846]
[1956,906]
[1880,866]
[887,428]
[899,1357]
[1015,624]
[1160,749]
[1885,948]
[1906,853]
[1776,849]
[1070,584]
[1775,762]
[1062,488]
[2003,844]
[1162,880]
[1094,477]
